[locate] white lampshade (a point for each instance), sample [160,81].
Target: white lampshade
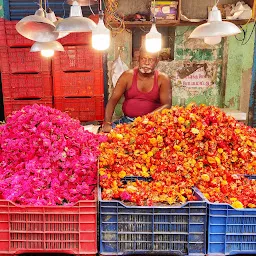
[47,49]
[215,27]
[153,40]
[37,27]
[83,2]
[50,15]
[76,22]
[212,40]
[100,36]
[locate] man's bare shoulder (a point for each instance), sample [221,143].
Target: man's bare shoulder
[128,73]
[162,76]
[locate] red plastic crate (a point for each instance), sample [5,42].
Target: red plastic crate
[48,229]
[21,60]
[78,84]
[2,33]
[77,58]
[13,38]
[76,39]
[27,86]
[11,105]
[83,109]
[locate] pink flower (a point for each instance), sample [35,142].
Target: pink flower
[46,158]
[125,196]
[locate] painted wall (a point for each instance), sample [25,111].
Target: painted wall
[239,70]
[1,9]
[121,44]
[230,63]
[252,106]
[192,55]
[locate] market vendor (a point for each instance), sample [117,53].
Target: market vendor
[145,90]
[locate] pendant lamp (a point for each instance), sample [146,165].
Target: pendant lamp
[215,27]
[153,38]
[101,35]
[52,17]
[83,2]
[37,27]
[212,40]
[47,49]
[76,22]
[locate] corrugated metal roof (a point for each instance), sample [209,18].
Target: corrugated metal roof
[17,9]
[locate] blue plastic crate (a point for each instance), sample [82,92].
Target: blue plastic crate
[230,231]
[152,230]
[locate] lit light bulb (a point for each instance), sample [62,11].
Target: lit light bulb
[153,40]
[212,40]
[100,36]
[47,53]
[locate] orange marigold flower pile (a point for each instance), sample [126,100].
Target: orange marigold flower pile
[178,149]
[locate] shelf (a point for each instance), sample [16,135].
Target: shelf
[236,22]
[168,23]
[162,23]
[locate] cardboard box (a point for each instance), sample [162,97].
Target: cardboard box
[165,9]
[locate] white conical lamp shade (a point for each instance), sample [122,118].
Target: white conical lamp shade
[54,45]
[101,37]
[47,49]
[212,40]
[153,41]
[52,17]
[83,2]
[76,22]
[37,27]
[215,27]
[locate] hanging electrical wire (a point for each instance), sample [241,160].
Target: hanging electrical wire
[63,8]
[91,7]
[245,31]
[250,36]
[216,2]
[111,16]
[244,35]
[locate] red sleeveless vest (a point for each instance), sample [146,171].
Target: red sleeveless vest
[139,103]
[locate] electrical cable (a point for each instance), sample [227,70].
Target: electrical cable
[91,7]
[244,43]
[63,8]
[245,31]
[244,34]
[154,14]
[217,2]
[111,16]
[37,3]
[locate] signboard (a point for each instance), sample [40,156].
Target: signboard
[196,79]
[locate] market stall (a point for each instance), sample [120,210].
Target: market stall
[127,128]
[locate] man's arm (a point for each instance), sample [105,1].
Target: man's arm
[118,91]
[165,92]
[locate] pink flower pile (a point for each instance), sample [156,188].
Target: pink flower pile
[47,158]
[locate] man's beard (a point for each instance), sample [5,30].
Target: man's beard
[146,70]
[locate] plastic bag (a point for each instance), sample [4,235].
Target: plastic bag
[118,68]
[240,11]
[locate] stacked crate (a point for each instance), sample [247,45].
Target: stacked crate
[26,76]
[78,79]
